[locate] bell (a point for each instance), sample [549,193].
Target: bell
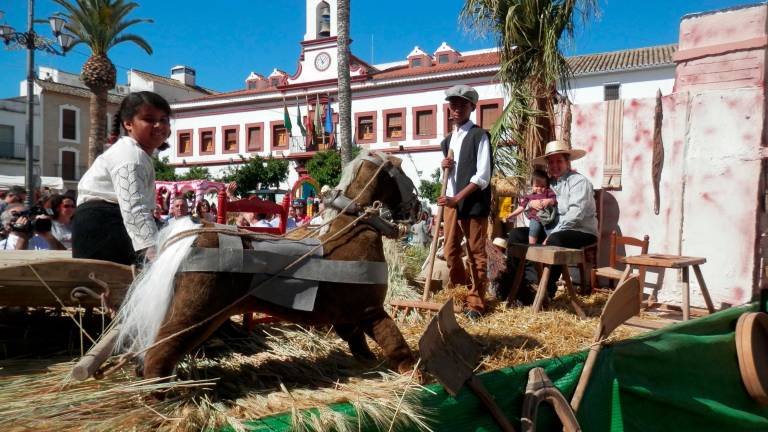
[325,28]
[325,11]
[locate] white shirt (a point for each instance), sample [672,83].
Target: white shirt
[35,243]
[483,169]
[124,175]
[63,233]
[263,223]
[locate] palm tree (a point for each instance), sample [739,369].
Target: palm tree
[530,37]
[99,24]
[345,91]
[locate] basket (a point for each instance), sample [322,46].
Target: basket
[503,186]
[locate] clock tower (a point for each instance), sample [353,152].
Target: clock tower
[319,49]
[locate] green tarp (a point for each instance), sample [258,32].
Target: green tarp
[682,378]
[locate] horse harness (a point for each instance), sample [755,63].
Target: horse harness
[408,199]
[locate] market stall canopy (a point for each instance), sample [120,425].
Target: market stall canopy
[6,182]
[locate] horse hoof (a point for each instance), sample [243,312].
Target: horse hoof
[366,358]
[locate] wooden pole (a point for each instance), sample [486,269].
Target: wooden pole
[91,361]
[435,234]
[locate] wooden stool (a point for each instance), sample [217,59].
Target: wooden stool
[674,262]
[547,256]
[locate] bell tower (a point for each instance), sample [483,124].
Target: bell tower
[321,19]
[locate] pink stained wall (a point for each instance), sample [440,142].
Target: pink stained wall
[713,134]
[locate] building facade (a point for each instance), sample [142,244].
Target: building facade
[13,136]
[397,107]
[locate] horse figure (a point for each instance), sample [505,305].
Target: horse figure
[168,312]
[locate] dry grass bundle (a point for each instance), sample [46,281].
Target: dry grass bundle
[237,377]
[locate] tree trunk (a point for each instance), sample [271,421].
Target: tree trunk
[98,130]
[345,91]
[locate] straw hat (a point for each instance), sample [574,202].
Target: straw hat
[558,147]
[500,242]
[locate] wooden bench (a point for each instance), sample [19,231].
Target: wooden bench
[546,256]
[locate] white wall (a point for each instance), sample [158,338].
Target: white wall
[634,84]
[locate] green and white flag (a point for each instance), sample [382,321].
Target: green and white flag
[287,119]
[298,119]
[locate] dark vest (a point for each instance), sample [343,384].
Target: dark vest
[478,203]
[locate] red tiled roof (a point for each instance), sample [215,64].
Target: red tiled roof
[637,58]
[465,62]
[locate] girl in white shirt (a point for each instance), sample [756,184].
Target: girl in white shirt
[116,196]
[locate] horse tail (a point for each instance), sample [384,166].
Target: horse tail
[146,304]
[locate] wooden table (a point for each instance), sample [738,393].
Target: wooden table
[672,262]
[548,256]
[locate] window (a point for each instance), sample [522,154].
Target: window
[251,85]
[68,128]
[447,126]
[254,137]
[442,59]
[6,141]
[279,135]
[68,165]
[416,62]
[611,91]
[394,124]
[425,122]
[274,82]
[184,143]
[230,138]
[489,112]
[207,143]
[365,127]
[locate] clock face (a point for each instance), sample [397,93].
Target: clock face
[322,61]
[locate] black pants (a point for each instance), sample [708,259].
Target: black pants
[566,238]
[98,232]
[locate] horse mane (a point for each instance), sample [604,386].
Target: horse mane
[347,177]
[150,294]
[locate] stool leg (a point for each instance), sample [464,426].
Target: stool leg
[686,295]
[542,291]
[516,283]
[704,290]
[572,293]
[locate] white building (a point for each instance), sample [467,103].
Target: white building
[397,107]
[13,136]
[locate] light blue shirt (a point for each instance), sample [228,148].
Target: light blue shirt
[575,204]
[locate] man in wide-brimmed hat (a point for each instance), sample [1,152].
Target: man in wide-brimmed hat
[467,197]
[577,224]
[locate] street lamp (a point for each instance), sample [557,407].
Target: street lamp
[31,42]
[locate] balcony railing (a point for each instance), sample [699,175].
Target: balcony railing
[12,150]
[298,144]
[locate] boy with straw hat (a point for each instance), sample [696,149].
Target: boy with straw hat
[577,224]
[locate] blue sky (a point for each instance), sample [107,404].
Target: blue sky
[228,39]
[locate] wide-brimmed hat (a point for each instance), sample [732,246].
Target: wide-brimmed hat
[558,147]
[462,91]
[500,242]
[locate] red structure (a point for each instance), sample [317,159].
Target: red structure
[254,205]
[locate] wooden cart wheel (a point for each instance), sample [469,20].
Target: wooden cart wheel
[752,351]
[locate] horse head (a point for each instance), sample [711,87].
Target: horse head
[375,176]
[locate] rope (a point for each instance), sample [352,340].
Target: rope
[128,356]
[61,303]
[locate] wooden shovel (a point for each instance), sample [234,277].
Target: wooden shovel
[450,354]
[91,361]
[436,234]
[621,306]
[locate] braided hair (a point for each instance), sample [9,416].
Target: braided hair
[130,105]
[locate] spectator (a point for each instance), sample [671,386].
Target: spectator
[274,220]
[318,219]
[160,221]
[203,211]
[291,221]
[179,208]
[62,208]
[22,239]
[420,231]
[261,221]
[15,195]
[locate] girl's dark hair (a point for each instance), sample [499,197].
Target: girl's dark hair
[54,202]
[540,174]
[131,105]
[200,204]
